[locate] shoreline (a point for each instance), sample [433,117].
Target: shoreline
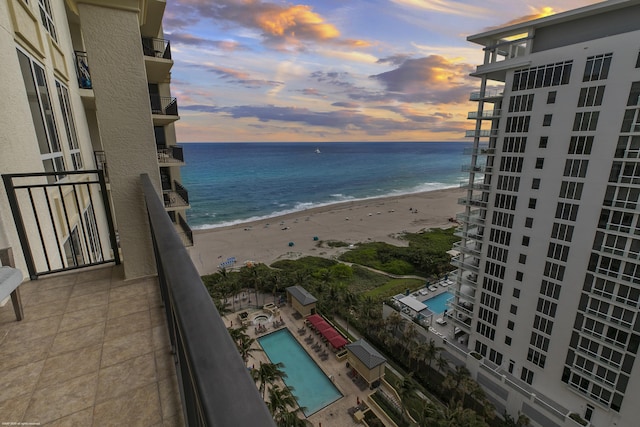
[326,205]
[293,235]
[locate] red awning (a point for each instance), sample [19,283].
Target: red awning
[338,341]
[322,326]
[315,318]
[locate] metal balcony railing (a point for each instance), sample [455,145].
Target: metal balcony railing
[216,389]
[187,233]
[62,224]
[491,114]
[101,163]
[171,154]
[158,48]
[487,94]
[82,70]
[164,105]
[483,133]
[176,198]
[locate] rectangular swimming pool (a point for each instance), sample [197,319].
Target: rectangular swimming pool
[438,304]
[311,387]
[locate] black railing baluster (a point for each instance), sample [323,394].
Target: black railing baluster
[50,226]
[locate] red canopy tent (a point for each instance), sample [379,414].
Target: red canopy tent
[315,318]
[338,341]
[323,326]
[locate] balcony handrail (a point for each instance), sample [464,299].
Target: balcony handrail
[166,105]
[82,70]
[186,229]
[216,388]
[182,192]
[158,48]
[167,154]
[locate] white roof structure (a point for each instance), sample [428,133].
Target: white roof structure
[413,304]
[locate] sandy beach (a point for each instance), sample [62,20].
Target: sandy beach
[379,220]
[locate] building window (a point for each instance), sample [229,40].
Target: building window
[522,259]
[525,240]
[634,95]
[539,163]
[597,67]
[527,376]
[510,325]
[513,309]
[542,76]
[507,340]
[47,18]
[535,184]
[511,365]
[70,127]
[591,96]
[528,222]
[532,203]
[543,142]
[551,97]
[44,123]
[587,121]
[547,120]
[638,61]
[516,293]
[519,276]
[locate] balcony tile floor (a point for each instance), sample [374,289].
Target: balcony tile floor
[93,349]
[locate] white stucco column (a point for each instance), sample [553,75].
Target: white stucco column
[112,40]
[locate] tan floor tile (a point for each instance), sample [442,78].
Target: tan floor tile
[83,288]
[128,292]
[126,347]
[165,365]
[77,338]
[62,399]
[118,379]
[140,407]
[20,380]
[125,307]
[175,421]
[59,369]
[82,302]
[24,353]
[12,410]
[29,330]
[158,316]
[42,311]
[92,274]
[47,294]
[79,419]
[126,325]
[79,318]
[160,335]
[169,397]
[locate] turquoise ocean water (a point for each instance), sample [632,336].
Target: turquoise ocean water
[231,183]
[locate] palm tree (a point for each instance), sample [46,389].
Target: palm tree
[246,347]
[406,390]
[280,400]
[268,373]
[432,351]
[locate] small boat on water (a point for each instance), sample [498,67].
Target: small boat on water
[317,151]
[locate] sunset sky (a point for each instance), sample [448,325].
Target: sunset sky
[331,70]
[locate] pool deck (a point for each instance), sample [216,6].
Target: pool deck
[335,414]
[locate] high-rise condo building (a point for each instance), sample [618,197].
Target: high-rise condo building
[86,86]
[548,278]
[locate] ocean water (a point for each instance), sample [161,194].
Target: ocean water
[231,183]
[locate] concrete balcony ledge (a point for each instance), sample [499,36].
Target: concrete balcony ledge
[92,349]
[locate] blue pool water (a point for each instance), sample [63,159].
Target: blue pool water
[438,304]
[312,388]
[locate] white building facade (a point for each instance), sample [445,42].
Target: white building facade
[86,86]
[548,279]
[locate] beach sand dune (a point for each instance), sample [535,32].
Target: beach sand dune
[380,220]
